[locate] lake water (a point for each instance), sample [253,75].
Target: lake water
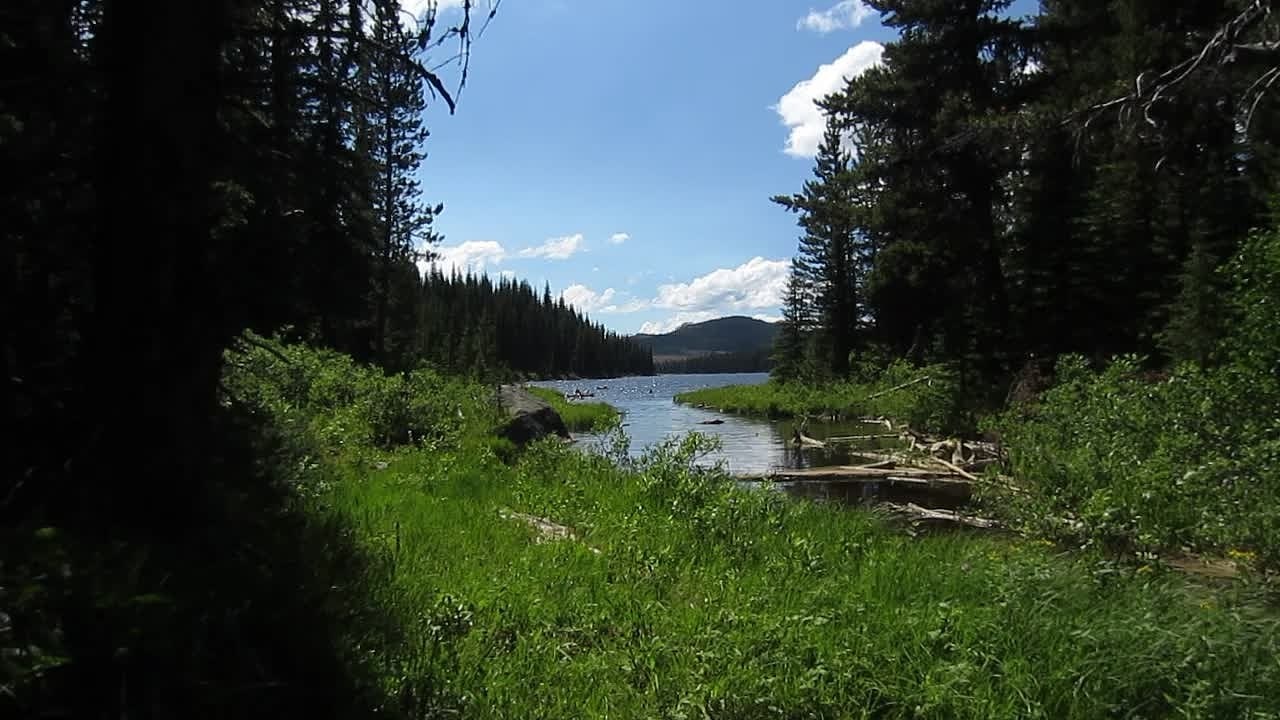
[749,446]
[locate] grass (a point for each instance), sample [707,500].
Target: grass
[928,405]
[685,596]
[579,416]
[707,601]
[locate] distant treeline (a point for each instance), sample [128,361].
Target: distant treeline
[731,362]
[475,325]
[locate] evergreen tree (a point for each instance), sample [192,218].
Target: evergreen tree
[828,264]
[789,355]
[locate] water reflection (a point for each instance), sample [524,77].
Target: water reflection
[749,446]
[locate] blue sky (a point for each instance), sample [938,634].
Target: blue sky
[625,151]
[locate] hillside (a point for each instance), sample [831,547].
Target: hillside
[735,334]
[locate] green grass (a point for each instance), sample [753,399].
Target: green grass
[708,601]
[579,416]
[929,405]
[685,596]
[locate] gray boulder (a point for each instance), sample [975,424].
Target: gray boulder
[529,417]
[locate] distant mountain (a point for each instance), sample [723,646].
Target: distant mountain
[737,334]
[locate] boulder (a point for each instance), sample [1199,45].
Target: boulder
[529,417]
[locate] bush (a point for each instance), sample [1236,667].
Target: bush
[1189,461]
[344,404]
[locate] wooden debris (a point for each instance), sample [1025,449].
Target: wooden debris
[916,513]
[859,438]
[957,470]
[546,530]
[896,388]
[802,440]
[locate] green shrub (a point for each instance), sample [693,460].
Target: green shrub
[344,404]
[1192,460]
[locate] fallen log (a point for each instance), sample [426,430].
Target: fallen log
[917,513]
[802,440]
[545,530]
[896,388]
[956,469]
[861,471]
[858,438]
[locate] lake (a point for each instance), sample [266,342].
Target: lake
[749,446]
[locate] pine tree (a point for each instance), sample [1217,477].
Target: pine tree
[828,265]
[789,352]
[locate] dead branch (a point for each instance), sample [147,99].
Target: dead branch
[1222,48]
[896,388]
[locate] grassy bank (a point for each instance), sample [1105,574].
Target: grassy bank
[579,416]
[682,596]
[925,397]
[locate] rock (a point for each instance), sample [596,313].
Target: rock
[530,418]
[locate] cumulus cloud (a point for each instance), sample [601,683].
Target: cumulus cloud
[756,284]
[605,302]
[661,327]
[561,248]
[844,15]
[586,299]
[798,109]
[619,238]
[473,255]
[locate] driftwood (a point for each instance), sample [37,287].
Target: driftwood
[802,440]
[896,388]
[916,513]
[956,469]
[545,530]
[916,479]
[857,438]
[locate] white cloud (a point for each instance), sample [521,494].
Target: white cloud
[844,15]
[798,109]
[619,238]
[561,248]
[661,327]
[586,299]
[604,302]
[768,318]
[756,284]
[471,255]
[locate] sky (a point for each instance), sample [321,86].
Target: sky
[625,151]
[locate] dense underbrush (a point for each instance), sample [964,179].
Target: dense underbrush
[1190,460]
[571,584]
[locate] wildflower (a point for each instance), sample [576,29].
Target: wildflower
[1242,555]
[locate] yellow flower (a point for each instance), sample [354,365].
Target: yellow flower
[1242,555]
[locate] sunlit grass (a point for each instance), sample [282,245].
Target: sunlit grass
[687,597]
[926,398]
[579,416]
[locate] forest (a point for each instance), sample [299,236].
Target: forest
[471,324]
[251,467]
[1003,191]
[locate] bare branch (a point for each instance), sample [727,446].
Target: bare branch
[1221,49]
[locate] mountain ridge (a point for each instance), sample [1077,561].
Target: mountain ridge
[730,334]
